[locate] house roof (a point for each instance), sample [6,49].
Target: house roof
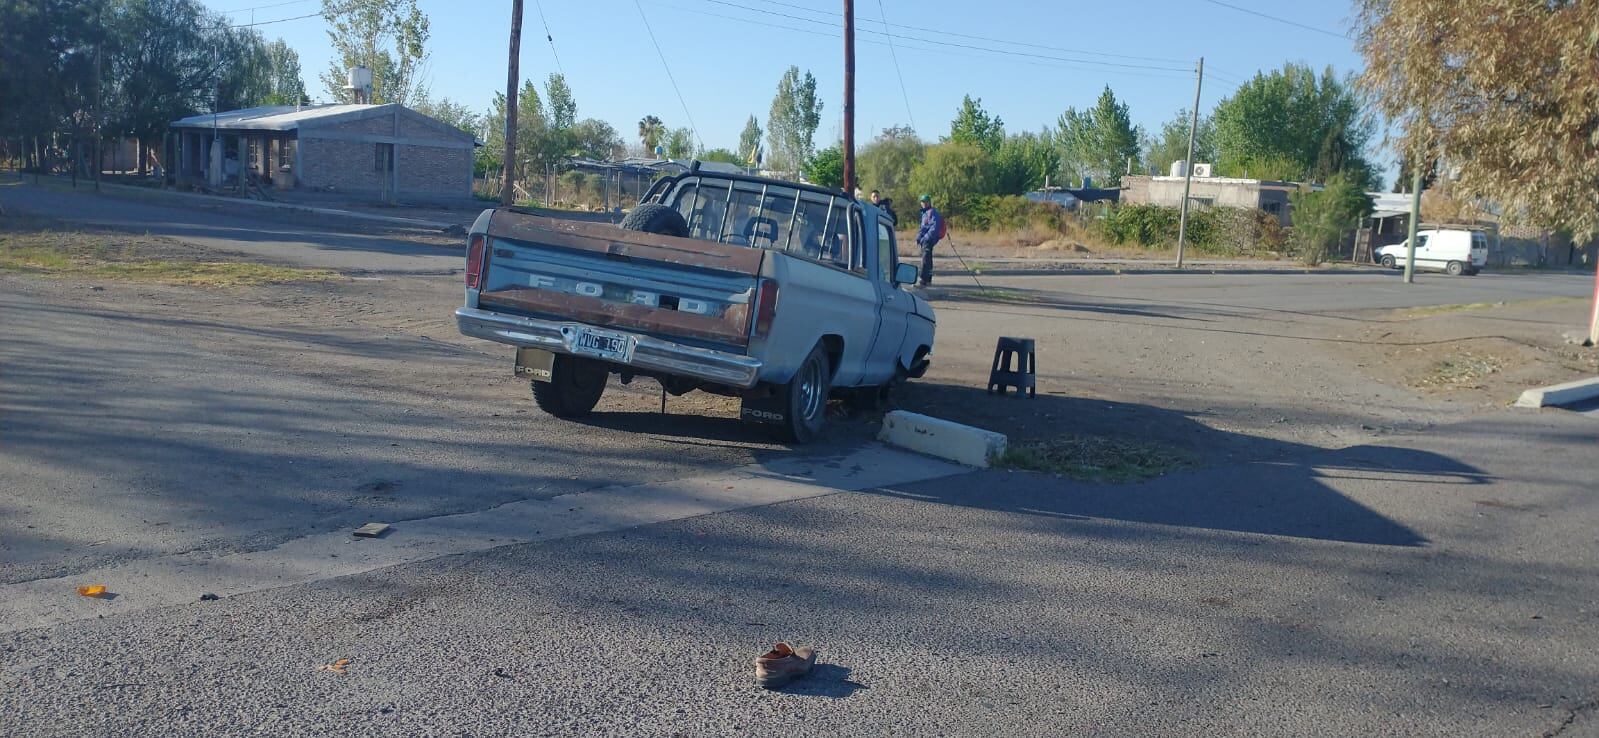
[283,118]
[271,117]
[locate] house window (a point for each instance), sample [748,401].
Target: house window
[286,154]
[383,161]
[1273,207]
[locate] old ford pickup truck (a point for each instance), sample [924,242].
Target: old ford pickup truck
[778,293]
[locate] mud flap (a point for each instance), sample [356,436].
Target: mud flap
[535,364]
[771,409]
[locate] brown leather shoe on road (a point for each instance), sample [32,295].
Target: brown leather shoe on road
[783,664]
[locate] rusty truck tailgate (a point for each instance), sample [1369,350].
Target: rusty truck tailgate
[599,274]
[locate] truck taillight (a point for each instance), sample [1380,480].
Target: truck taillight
[474,260]
[765,308]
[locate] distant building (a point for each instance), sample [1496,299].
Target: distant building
[387,151]
[1263,194]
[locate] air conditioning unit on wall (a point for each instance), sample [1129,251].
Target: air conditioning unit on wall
[1201,170]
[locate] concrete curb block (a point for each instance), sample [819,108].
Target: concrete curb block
[945,439]
[1560,394]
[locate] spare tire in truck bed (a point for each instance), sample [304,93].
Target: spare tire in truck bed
[654,217]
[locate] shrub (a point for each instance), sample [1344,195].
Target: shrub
[1322,218]
[955,175]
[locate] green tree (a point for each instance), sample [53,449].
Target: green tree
[791,124]
[887,162]
[1294,124]
[1023,161]
[387,36]
[1099,141]
[973,125]
[596,139]
[749,142]
[1170,144]
[720,155]
[287,88]
[1322,218]
[680,143]
[650,131]
[452,113]
[826,168]
[955,174]
[563,107]
[47,70]
[1513,113]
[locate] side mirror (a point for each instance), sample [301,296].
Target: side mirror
[906,274]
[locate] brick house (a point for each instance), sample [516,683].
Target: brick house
[388,152]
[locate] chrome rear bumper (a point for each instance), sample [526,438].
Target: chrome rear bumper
[649,353]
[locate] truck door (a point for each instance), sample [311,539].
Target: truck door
[893,311]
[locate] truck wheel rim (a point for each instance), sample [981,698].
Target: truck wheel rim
[810,386]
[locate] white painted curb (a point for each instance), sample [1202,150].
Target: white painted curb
[1560,394]
[945,439]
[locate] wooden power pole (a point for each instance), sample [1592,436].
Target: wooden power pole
[512,75]
[849,97]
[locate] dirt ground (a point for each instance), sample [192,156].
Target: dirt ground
[1242,387]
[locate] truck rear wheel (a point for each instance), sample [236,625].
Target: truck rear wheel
[1455,269]
[805,398]
[574,388]
[653,217]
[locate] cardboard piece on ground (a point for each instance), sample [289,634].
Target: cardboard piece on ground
[372,530]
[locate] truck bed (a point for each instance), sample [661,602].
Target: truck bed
[599,274]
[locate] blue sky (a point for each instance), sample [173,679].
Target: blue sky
[727,55]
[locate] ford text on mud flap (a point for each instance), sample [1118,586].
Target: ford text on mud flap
[778,293]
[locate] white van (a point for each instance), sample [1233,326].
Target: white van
[1453,250]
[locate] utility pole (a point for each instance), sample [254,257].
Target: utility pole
[512,74]
[849,97]
[1188,164]
[1593,320]
[1415,219]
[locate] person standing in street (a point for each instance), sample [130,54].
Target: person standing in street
[928,236]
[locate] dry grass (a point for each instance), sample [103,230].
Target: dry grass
[1096,458]
[33,246]
[1431,310]
[1464,370]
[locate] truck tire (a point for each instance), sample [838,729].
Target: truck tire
[804,398]
[1455,269]
[574,388]
[654,217]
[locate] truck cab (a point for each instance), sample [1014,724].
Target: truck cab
[779,293]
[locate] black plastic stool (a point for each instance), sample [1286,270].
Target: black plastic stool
[1014,366]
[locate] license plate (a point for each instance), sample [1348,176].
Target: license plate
[601,344]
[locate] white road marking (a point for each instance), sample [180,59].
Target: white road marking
[172,580]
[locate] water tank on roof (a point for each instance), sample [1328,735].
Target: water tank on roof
[360,78]
[1179,168]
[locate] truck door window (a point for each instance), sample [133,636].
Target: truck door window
[885,252]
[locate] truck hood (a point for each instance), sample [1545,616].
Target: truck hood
[922,307]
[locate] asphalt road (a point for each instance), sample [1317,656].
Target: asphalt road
[1349,559]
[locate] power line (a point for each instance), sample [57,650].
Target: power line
[1166,74]
[280,20]
[549,37]
[668,68]
[901,75]
[1045,47]
[264,7]
[957,44]
[1296,24]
